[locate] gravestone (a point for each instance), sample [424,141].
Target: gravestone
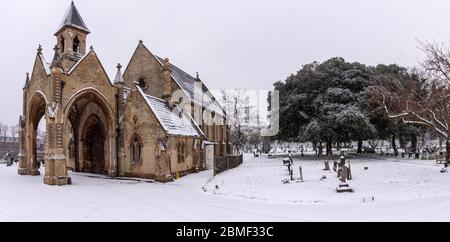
[342,175]
[335,166]
[327,166]
[348,173]
[301,173]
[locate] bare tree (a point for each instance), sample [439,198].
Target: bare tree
[3,129]
[240,115]
[431,105]
[14,130]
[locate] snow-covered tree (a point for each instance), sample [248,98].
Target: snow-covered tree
[4,129]
[242,116]
[428,105]
[322,104]
[14,130]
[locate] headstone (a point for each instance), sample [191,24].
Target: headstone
[343,175]
[348,172]
[301,173]
[342,171]
[368,199]
[327,166]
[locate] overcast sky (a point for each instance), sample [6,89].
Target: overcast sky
[232,43]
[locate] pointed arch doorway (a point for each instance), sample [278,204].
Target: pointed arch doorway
[93,148]
[90,130]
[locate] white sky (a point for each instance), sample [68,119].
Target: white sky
[232,43]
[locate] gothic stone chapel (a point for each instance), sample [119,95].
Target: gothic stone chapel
[153,121]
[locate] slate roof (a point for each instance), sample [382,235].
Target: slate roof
[187,82]
[72,18]
[173,123]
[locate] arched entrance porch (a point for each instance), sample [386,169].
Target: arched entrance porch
[90,142]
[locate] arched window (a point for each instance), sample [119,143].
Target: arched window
[181,152]
[62,44]
[136,149]
[142,83]
[76,44]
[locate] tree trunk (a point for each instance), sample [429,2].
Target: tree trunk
[413,143]
[447,156]
[402,142]
[360,144]
[394,145]
[329,149]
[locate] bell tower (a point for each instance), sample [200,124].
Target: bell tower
[71,38]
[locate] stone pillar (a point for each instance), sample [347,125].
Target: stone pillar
[119,138]
[23,167]
[55,159]
[112,171]
[163,164]
[23,170]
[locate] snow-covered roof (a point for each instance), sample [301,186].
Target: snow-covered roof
[188,84]
[171,120]
[72,18]
[119,77]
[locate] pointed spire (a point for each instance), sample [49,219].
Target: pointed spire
[39,49]
[119,77]
[73,19]
[197,78]
[27,81]
[56,62]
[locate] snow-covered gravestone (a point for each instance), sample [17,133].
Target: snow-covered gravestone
[335,166]
[368,199]
[327,166]
[301,173]
[342,175]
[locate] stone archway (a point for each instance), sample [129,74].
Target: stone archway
[93,142]
[90,119]
[35,112]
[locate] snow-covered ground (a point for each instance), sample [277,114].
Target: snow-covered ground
[404,190]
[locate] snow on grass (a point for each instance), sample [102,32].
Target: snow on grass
[405,190]
[385,180]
